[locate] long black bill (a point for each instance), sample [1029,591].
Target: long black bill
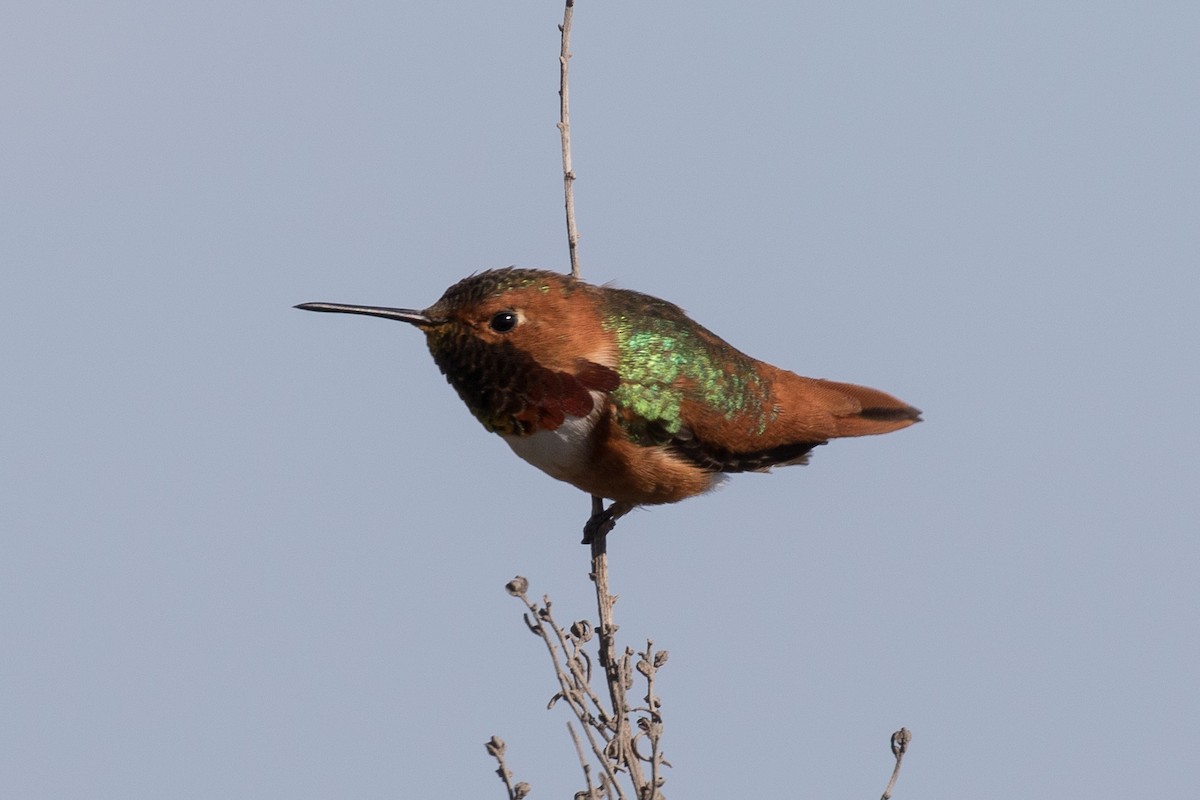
[402,314]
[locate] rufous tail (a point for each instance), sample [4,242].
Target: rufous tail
[821,409]
[864,411]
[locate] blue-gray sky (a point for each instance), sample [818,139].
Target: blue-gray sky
[249,552]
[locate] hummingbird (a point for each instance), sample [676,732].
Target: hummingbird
[621,394]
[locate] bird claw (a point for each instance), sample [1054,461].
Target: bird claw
[602,522]
[599,525]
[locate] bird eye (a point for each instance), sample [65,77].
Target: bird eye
[503,322]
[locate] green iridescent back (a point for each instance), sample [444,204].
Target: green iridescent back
[665,359]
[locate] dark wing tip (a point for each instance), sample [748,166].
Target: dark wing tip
[892,414]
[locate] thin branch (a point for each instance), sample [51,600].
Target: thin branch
[614,673]
[581,673]
[495,747]
[564,128]
[583,762]
[607,629]
[651,724]
[900,740]
[617,751]
[576,696]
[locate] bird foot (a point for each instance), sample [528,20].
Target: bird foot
[602,522]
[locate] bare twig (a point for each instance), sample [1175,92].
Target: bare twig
[616,672]
[900,740]
[564,128]
[495,747]
[608,730]
[612,734]
[650,725]
[583,762]
[580,668]
[572,689]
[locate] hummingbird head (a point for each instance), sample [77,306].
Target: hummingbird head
[505,338]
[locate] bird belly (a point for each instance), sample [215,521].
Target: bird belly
[607,463]
[645,474]
[564,452]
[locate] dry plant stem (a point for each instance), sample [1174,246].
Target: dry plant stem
[583,762]
[900,740]
[651,710]
[614,674]
[581,688]
[572,688]
[580,709]
[564,128]
[495,746]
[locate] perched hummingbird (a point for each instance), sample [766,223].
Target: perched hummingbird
[621,394]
